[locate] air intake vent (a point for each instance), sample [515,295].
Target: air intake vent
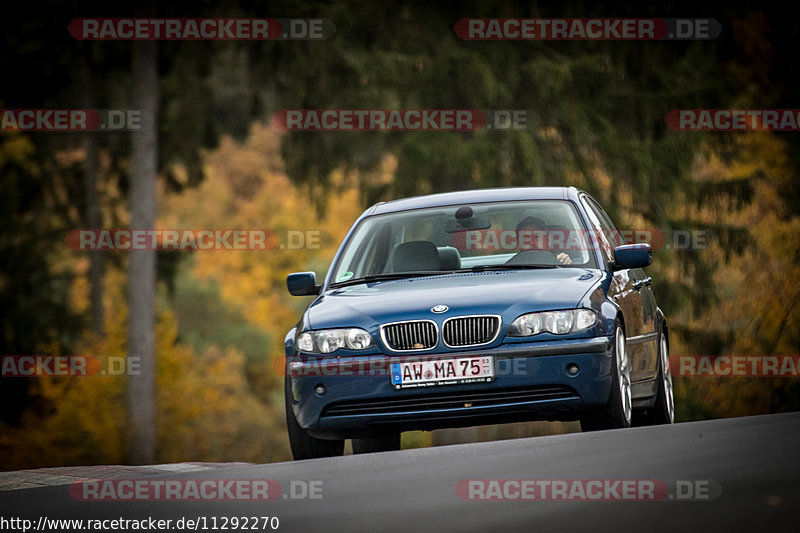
[455,400]
[470,330]
[410,336]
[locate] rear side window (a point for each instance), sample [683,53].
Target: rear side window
[608,235]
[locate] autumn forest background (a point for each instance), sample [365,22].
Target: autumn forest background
[221,316]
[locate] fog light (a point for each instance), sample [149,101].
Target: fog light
[572,369]
[320,389]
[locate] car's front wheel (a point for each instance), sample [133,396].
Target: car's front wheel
[616,413]
[386,443]
[303,445]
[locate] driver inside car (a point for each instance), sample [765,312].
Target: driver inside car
[532,234]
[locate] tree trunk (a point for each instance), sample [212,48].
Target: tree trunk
[93,218]
[142,275]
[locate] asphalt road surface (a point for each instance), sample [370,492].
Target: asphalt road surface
[742,474]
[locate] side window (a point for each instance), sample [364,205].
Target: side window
[602,227]
[615,236]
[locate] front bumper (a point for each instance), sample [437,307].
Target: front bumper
[532,383]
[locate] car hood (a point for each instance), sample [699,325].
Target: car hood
[505,293]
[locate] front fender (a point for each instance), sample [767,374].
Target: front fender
[288,341]
[607,309]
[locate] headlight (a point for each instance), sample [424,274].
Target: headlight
[305,342]
[557,322]
[330,340]
[526,325]
[358,339]
[584,319]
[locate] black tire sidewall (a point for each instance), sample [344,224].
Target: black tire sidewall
[611,415]
[303,445]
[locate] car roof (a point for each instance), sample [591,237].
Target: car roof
[502,194]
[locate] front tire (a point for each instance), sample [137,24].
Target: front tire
[303,445]
[618,410]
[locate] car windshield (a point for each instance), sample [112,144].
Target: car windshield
[481,236]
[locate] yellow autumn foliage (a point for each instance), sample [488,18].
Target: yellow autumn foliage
[245,188]
[207,409]
[757,307]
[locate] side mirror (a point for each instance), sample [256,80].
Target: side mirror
[302,284]
[632,256]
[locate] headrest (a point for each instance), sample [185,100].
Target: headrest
[416,255]
[449,258]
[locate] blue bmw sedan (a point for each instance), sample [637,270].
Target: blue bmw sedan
[471,308]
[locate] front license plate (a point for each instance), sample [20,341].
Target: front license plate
[434,372]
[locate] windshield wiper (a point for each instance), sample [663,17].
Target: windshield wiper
[485,268]
[424,273]
[388,277]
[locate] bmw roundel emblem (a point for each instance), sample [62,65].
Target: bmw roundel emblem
[439,308]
